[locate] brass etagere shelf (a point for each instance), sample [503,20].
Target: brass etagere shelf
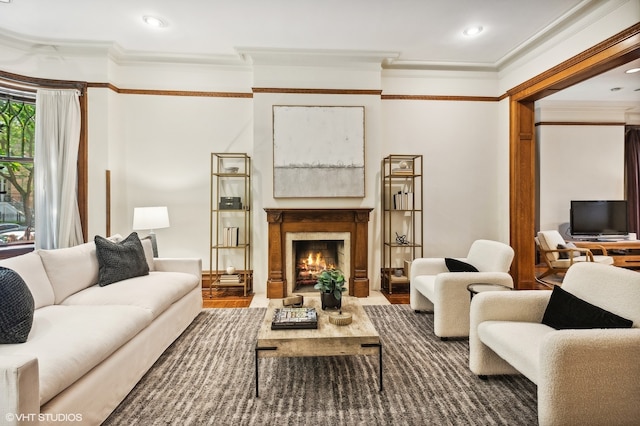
[402,221]
[230,222]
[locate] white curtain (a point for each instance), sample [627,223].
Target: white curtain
[56,171]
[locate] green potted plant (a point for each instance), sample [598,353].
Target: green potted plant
[331,284]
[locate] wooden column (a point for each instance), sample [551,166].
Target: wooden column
[276,282]
[359,281]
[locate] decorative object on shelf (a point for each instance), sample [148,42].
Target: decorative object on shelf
[341,318]
[398,272]
[401,239]
[331,284]
[229,279]
[230,203]
[150,218]
[404,168]
[230,236]
[231,169]
[231,270]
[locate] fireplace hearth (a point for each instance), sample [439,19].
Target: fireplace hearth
[347,226]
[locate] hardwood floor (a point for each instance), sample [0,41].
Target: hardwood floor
[225,298]
[233,297]
[400,295]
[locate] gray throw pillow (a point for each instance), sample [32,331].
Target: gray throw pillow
[16,307]
[118,261]
[565,255]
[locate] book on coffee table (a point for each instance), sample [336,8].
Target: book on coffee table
[294,318]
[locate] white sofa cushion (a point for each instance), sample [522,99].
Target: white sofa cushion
[155,292]
[615,290]
[518,343]
[70,269]
[68,341]
[147,245]
[29,267]
[490,256]
[425,285]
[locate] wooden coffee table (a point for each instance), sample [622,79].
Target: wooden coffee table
[357,338]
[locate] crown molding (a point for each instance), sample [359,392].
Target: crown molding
[315,57]
[248,56]
[111,50]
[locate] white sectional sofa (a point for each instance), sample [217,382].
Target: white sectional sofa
[585,376]
[89,345]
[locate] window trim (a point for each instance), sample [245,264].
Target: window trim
[31,84]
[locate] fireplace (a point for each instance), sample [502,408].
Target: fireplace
[348,228]
[309,253]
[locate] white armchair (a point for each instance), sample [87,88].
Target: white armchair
[434,288]
[584,376]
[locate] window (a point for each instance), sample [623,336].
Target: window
[17,152]
[17,143]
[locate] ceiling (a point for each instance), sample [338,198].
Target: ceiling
[425,34]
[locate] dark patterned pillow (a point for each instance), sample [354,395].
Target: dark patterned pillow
[455,265]
[118,261]
[16,307]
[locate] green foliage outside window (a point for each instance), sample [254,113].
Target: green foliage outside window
[17,144]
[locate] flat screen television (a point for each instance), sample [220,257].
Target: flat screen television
[603,217]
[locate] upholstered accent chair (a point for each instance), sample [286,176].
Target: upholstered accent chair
[558,255]
[434,287]
[587,373]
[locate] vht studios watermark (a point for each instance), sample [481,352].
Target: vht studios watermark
[43,417]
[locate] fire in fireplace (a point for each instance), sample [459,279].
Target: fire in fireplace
[312,257]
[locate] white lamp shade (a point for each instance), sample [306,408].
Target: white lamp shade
[150,218]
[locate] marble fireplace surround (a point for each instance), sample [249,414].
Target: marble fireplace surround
[354,221]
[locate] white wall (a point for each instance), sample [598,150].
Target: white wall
[461,168]
[578,161]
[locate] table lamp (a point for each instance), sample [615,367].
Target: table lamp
[150,218]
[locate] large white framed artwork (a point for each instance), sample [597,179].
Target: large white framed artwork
[318,151]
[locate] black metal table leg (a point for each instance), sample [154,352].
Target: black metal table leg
[258,349]
[379,346]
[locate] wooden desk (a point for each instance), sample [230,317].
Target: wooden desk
[626,254]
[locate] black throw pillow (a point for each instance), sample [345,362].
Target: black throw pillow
[566,311]
[455,265]
[118,261]
[16,307]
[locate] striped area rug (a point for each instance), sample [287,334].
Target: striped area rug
[207,378]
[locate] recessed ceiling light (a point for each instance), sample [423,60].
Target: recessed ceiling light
[154,21]
[5,1]
[632,70]
[472,31]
